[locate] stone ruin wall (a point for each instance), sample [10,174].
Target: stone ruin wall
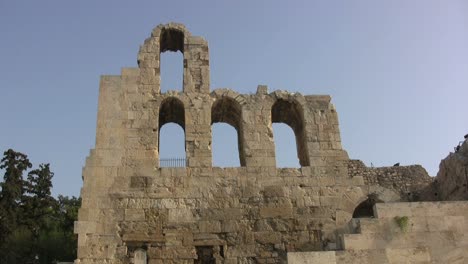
[405,183]
[134,209]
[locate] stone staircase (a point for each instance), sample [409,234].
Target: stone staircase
[421,232]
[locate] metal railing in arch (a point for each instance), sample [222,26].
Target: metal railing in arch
[173,163]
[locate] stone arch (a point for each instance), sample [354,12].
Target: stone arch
[228,110]
[171,42]
[365,209]
[226,92]
[291,113]
[170,26]
[355,196]
[171,110]
[172,37]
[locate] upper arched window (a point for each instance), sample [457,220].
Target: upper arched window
[172,151]
[171,66]
[227,110]
[291,114]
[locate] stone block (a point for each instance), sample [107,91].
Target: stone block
[262,89]
[274,191]
[209,226]
[84,227]
[281,212]
[134,215]
[327,257]
[140,182]
[180,216]
[268,237]
[408,255]
[230,226]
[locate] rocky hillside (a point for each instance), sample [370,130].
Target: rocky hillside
[452,180]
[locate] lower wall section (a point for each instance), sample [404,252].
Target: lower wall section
[425,232]
[324,257]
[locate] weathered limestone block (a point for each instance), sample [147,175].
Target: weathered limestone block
[312,257]
[134,215]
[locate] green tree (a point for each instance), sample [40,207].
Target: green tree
[34,226]
[68,211]
[12,190]
[67,215]
[38,201]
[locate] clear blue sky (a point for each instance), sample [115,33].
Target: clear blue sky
[397,70]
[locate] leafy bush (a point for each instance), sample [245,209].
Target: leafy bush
[402,222]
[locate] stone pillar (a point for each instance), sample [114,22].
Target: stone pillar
[198,130]
[196,66]
[258,132]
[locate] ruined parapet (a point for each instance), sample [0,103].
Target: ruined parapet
[408,182]
[451,182]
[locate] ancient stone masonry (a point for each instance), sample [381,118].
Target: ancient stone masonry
[432,232]
[134,211]
[406,183]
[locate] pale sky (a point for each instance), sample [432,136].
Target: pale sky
[397,70]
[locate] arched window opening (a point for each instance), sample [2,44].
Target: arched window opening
[286,153]
[366,208]
[224,146]
[172,133]
[205,255]
[171,71]
[171,60]
[227,110]
[291,114]
[171,146]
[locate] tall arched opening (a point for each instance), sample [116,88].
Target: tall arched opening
[291,114]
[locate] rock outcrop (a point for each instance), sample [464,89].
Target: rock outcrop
[451,182]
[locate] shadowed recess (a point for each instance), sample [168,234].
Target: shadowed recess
[171,40]
[172,110]
[366,208]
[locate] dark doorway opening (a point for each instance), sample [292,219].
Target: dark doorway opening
[205,255]
[366,208]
